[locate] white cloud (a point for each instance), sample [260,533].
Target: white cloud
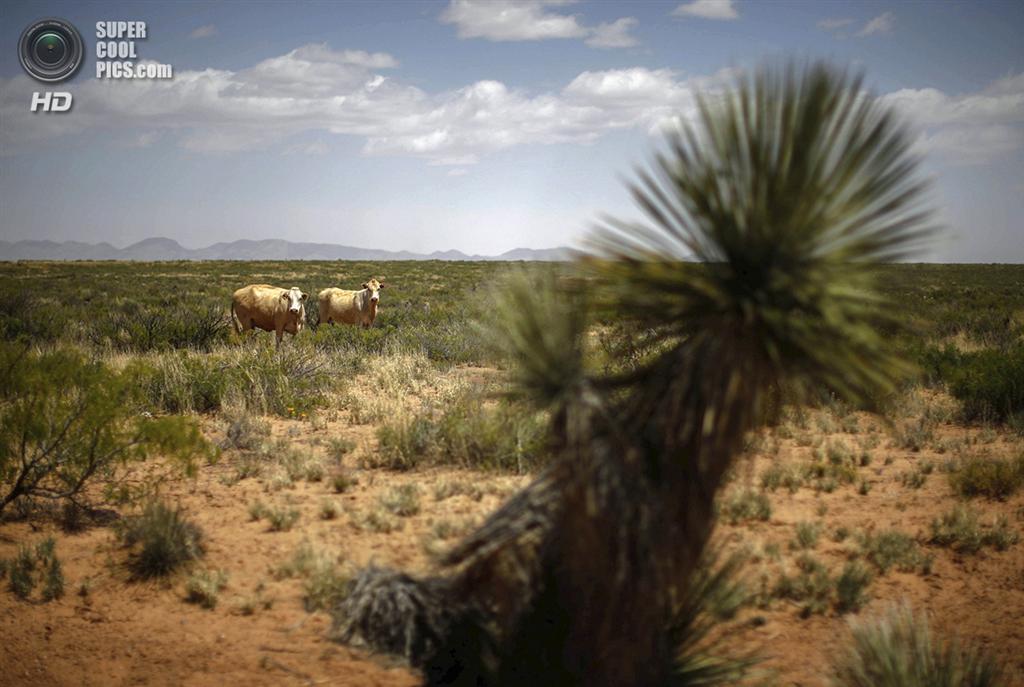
[832,24]
[613,35]
[315,90]
[532,20]
[511,20]
[205,31]
[457,171]
[966,129]
[707,9]
[883,23]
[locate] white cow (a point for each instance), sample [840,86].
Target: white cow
[270,308]
[350,307]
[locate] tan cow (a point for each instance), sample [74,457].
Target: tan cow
[350,307]
[270,308]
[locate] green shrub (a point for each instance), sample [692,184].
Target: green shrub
[851,587]
[287,382]
[53,579]
[914,479]
[165,540]
[505,437]
[342,481]
[245,431]
[24,316]
[339,447]
[143,327]
[892,548]
[282,519]
[806,536]
[898,650]
[781,475]
[324,588]
[329,509]
[402,500]
[996,478]
[960,530]
[404,443]
[324,583]
[747,505]
[257,510]
[203,587]
[990,384]
[33,566]
[913,435]
[812,586]
[66,423]
[466,432]
[21,568]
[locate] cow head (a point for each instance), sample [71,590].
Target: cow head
[295,297]
[374,287]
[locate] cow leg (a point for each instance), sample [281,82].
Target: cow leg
[280,335]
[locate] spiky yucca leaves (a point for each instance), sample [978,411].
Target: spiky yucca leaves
[788,188]
[899,650]
[714,594]
[539,319]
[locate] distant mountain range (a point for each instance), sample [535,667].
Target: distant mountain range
[156,249]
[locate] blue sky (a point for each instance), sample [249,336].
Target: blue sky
[476,126]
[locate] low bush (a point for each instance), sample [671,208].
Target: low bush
[67,422]
[324,588]
[329,510]
[469,433]
[339,447]
[806,536]
[203,587]
[960,530]
[746,505]
[990,384]
[142,327]
[996,478]
[851,587]
[811,587]
[245,431]
[286,382]
[163,538]
[898,649]
[892,548]
[342,481]
[325,584]
[282,519]
[35,566]
[402,500]
[781,475]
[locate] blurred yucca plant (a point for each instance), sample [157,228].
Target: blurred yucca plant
[786,191]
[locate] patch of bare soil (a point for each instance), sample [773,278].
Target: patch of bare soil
[110,630]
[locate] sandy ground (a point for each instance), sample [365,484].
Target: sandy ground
[124,632]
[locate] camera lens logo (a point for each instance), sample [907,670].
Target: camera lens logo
[51,50]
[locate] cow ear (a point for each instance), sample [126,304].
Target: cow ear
[366,285]
[381,285]
[305,296]
[284,295]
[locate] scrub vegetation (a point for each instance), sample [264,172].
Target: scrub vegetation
[501,472]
